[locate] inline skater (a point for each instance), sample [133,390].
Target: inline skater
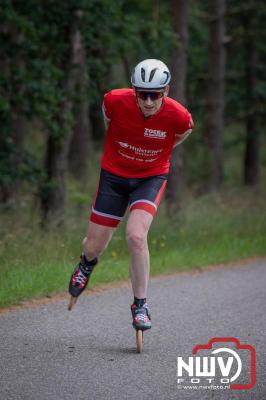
[143,126]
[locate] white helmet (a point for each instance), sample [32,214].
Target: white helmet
[150,74]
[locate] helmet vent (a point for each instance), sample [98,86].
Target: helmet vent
[152,74]
[163,81]
[143,74]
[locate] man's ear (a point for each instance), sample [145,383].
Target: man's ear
[166,91]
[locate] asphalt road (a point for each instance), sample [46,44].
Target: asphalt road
[49,353]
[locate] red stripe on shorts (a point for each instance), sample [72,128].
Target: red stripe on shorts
[142,205]
[105,221]
[160,193]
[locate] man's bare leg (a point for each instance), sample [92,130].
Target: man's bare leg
[94,244]
[137,229]
[97,239]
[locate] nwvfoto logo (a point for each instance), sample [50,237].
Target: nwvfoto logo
[222,365]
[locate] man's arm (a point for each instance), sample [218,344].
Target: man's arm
[188,126]
[106,120]
[180,138]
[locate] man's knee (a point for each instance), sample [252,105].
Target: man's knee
[136,240]
[93,248]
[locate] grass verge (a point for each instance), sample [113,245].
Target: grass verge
[214,229]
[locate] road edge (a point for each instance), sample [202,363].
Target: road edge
[102,288]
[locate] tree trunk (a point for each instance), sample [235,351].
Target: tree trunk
[18,137]
[155,19]
[97,124]
[215,92]
[53,190]
[96,116]
[13,149]
[176,182]
[80,145]
[14,126]
[251,159]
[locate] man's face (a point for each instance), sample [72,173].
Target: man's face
[150,101]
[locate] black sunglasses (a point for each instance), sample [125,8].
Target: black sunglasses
[152,95]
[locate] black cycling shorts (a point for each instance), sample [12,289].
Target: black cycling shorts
[116,193]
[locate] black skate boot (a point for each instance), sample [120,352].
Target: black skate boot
[141,317]
[80,278]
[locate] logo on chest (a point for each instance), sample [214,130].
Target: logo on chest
[155,134]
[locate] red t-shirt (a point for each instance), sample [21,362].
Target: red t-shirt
[136,147]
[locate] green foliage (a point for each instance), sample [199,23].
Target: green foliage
[35,46]
[244,19]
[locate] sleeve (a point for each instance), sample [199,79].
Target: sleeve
[185,128]
[107,106]
[185,123]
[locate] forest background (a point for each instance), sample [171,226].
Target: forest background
[57,60]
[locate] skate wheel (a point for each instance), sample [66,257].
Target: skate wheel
[139,340]
[72,302]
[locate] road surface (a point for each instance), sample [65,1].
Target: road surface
[49,353]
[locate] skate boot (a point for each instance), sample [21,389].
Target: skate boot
[141,317]
[80,278]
